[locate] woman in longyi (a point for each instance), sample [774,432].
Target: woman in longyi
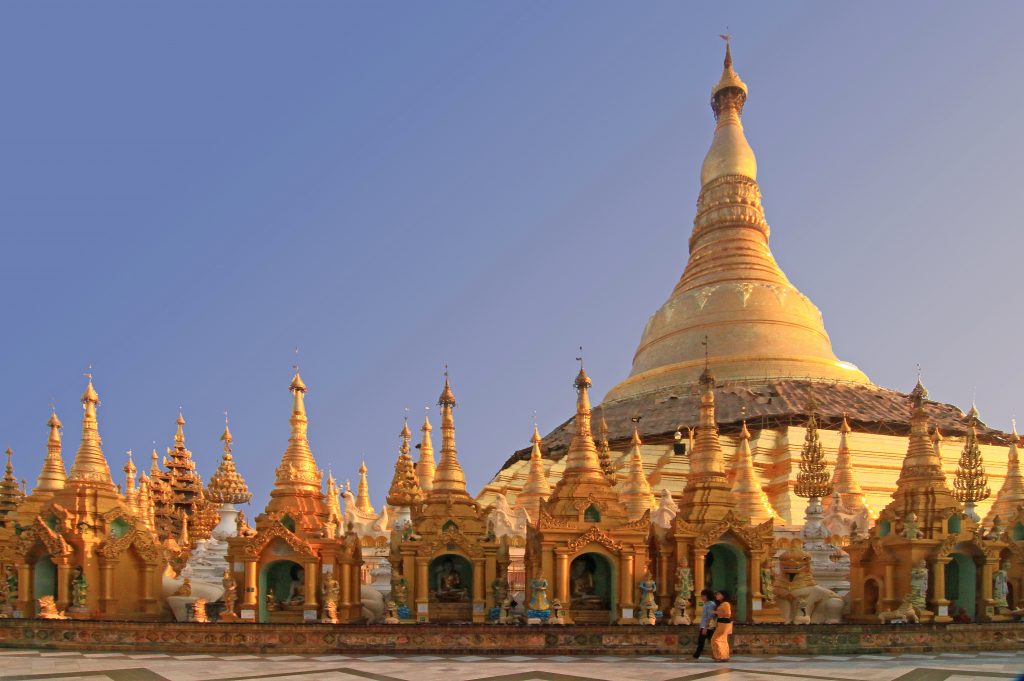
[720,640]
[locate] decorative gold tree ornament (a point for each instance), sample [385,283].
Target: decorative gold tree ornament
[226,485]
[813,480]
[971,482]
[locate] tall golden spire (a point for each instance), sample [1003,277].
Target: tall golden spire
[1011,494]
[751,501]
[707,495]
[582,457]
[405,488]
[10,494]
[52,476]
[921,487]
[297,470]
[537,488]
[732,289]
[448,478]
[844,479]
[636,490]
[130,494]
[363,496]
[971,482]
[583,484]
[425,467]
[227,486]
[90,466]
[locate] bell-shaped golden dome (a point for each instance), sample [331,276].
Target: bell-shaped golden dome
[733,301]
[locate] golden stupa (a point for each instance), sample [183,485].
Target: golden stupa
[735,311]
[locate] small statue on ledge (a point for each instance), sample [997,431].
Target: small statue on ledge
[557,613]
[330,590]
[199,611]
[230,594]
[272,603]
[185,589]
[910,527]
[48,609]
[79,589]
[391,614]
[679,613]
[648,607]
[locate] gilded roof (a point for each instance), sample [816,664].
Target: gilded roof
[770,404]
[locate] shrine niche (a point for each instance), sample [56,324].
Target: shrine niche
[591,587]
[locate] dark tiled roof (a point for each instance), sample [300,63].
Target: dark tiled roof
[771,404]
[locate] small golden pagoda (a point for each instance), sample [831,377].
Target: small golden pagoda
[11,494]
[712,532]
[585,550]
[85,526]
[924,551]
[405,489]
[178,492]
[636,490]
[448,556]
[226,488]
[284,560]
[847,499]
[537,488]
[363,503]
[1011,495]
[426,467]
[751,501]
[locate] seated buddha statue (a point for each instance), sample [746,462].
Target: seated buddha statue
[582,590]
[449,584]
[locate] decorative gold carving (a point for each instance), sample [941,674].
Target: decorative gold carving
[252,547]
[593,535]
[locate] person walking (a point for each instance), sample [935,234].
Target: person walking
[720,639]
[707,621]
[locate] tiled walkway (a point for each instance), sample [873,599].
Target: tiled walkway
[26,664]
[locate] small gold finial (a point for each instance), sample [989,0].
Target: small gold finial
[447,398]
[582,381]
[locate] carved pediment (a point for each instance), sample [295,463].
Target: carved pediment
[594,535]
[114,547]
[253,547]
[546,521]
[591,500]
[752,537]
[449,539]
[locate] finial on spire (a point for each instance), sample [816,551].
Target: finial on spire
[447,398]
[727,37]
[582,381]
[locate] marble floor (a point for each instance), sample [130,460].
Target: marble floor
[29,664]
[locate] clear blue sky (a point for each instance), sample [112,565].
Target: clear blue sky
[188,190]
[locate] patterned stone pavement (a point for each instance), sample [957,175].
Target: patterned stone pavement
[71,666]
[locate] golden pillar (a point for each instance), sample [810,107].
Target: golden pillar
[478,590]
[562,592]
[490,574]
[754,577]
[107,598]
[346,586]
[664,594]
[890,586]
[249,588]
[856,589]
[986,607]
[63,585]
[312,581]
[422,590]
[626,579]
[939,590]
[698,574]
[25,590]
